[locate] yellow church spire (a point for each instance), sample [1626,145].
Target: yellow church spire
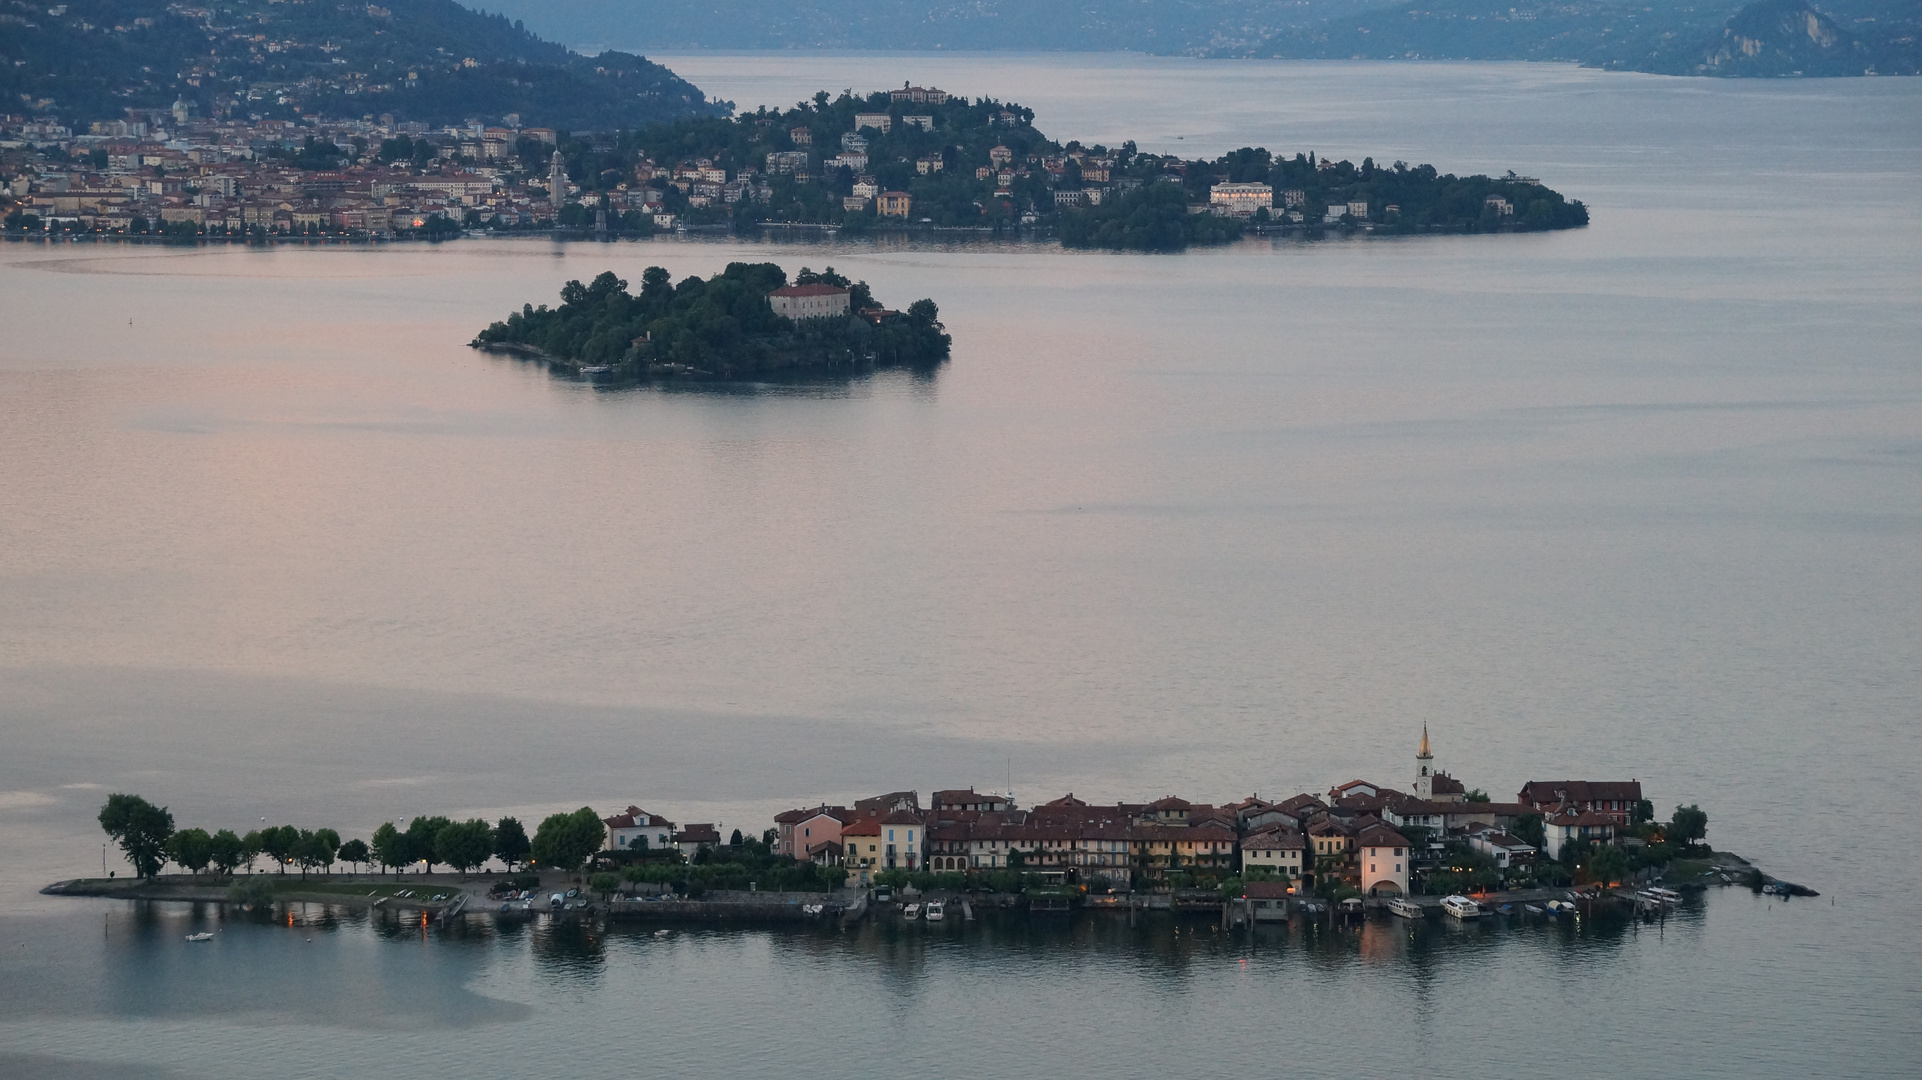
[1424,741]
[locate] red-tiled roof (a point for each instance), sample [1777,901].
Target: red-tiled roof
[1380,836]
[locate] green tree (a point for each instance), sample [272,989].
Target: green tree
[141,828]
[226,851]
[510,842]
[355,853]
[1689,825]
[464,845]
[314,850]
[251,845]
[278,844]
[420,839]
[605,884]
[564,841]
[1644,811]
[389,848]
[1609,864]
[327,845]
[1529,829]
[1476,795]
[192,849]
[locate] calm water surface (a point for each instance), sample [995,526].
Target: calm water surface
[1643,499]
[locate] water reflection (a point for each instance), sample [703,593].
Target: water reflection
[916,381]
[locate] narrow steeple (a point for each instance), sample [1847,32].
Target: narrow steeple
[1424,769]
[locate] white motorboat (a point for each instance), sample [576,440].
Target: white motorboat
[1460,907]
[1406,908]
[912,911]
[202,936]
[936,911]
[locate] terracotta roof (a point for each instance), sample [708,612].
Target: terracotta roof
[1265,890]
[1274,840]
[902,817]
[810,290]
[635,817]
[1444,784]
[1381,836]
[698,834]
[1546,791]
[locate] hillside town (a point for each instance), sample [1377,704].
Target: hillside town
[172,174]
[915,157]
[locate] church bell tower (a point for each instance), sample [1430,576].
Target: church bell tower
[1424,770]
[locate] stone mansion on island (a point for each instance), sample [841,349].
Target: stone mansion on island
[1361,835]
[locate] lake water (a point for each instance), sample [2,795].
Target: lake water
[1639,500]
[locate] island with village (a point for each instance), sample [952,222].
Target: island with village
[1560,849]
[914,159]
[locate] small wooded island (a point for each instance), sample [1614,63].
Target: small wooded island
[745,322]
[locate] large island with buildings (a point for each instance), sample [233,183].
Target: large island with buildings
[908,159]
[1438,846]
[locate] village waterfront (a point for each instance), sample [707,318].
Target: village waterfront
[1632,501]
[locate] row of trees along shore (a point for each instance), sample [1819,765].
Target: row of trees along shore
[147,837]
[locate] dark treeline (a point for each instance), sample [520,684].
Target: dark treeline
[147,837]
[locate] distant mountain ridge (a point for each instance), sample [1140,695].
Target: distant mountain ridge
[432,61]
[1678,37]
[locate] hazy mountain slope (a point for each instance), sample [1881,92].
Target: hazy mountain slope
[1676,37]
[428,60]
[1159,26]
[1710,37]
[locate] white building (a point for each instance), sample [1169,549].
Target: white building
[809,301]
[879,121]
[1566,828]
[1506,850]
[1383,855]
[634,829]
[1275,850]
[1240,200]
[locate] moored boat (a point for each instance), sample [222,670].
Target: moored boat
[912,911]
[1406,908]
[936,910]
[1460,907]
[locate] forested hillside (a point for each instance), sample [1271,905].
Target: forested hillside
[432,61]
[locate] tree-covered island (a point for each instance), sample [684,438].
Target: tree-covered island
[745,322]
[918,157]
